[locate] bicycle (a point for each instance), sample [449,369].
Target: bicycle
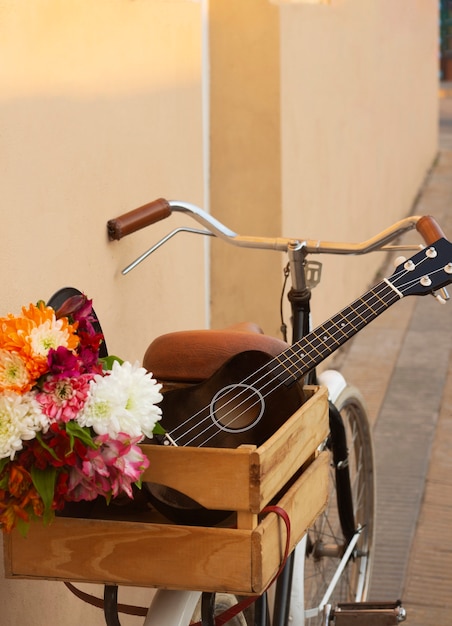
[332,565]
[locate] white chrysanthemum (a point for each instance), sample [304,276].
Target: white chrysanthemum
[20,420]
[123,401]
[13,371]
[50,334]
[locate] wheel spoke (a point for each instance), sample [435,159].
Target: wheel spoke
[326,543]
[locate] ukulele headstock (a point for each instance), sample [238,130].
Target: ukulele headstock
[426,272]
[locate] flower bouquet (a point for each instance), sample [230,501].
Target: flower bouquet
[70,421]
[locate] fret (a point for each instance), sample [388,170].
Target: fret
[306,354]
[284,368]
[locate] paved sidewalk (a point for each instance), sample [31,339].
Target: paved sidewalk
[402,363]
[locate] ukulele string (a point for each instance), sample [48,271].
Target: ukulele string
[272,382]
[269,372]
[338,331]
[395,277]
[274,387]
[415,280]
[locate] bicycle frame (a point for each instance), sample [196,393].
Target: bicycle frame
[299,297]
[288,600]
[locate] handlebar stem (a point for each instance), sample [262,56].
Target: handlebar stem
[297,254]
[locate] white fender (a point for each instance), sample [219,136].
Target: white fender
[334,381]
[172,608]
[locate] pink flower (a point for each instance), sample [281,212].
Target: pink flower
[94,465]
[125,460]
[81,487]
[109,470]
[62,399]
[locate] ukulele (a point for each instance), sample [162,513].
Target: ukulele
[253,393]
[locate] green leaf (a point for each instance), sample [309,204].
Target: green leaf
[107,361]
[4,480]
[75,430]
[44,482]
[158,429]
[22,526]
[4,463]
[46,447]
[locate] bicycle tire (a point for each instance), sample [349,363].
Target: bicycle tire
[325,543]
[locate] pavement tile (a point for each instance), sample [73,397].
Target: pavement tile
[402,363]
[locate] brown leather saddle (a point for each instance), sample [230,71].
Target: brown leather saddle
[191,356]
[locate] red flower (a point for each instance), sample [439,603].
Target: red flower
[61,489]
[63,363]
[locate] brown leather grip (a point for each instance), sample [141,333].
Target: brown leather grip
[138,218]
[429,229]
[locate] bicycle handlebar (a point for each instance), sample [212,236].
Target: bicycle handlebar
[429,229]
[137,219]
[160,209]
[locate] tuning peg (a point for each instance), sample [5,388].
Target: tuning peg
[442,296]
[399,260]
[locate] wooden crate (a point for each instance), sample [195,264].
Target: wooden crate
[149,551]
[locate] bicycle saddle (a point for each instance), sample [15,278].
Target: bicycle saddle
[192,356]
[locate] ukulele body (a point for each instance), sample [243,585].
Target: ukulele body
[242,403]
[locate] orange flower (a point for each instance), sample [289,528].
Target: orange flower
[33,334]
[20,500]
[19,482]
[10,514]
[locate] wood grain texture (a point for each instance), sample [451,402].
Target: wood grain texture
[147,551]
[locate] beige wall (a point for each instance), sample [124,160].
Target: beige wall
[354,94]
[359,125]
[245,154]
[100,112]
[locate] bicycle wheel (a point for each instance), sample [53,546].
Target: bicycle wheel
[325,543]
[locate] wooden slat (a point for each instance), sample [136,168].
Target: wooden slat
[166,555]
[245,478]
[217,478]
[127,553]
[303,503]
[289,448]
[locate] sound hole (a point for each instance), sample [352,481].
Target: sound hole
[237,408]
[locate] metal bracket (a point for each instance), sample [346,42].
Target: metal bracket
[313,271]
